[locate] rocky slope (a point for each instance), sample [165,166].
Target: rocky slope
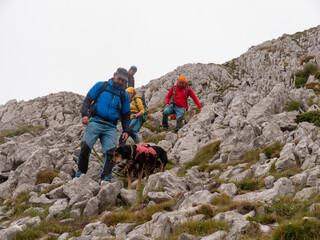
[263,156]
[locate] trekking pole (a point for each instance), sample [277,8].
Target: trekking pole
[120,175]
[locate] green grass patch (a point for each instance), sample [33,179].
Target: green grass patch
[209,168]
[273,150]
[47,175]
[264,219]
[43,229]
[170,165]
[298,230]
[303,75]
[293,106]
[17,132]
[151,127]
[300,82]
[207,210]
[156,139]
[199,228]
[138,217]
[250,184]
[317,75]
[311,117]
[305,59]
[287,173]
[314,86]
[204,155]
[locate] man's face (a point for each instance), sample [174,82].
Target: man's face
[118,81]
[181,84]
[132,71]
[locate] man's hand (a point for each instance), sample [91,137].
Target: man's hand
[124,137]
[134,115]
[85,120]
[167,105]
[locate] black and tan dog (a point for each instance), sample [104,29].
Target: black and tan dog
[140,162]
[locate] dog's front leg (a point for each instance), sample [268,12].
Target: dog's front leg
[140,177]
[129,178]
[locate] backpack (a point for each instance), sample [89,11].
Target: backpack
[145,114]
[92,112]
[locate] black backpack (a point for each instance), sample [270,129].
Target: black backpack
[92,112]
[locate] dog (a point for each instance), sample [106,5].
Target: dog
[140,162]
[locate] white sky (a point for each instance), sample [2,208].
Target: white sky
[68,45]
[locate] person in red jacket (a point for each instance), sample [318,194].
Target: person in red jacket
[179,103]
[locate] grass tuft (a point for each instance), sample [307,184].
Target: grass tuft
[297,230]
[273,150]
[293,106]
[204,155]
[156,139]
[20,131]
[311,117]
[47,176]
[199,228]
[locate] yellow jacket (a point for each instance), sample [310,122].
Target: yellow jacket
[136,108]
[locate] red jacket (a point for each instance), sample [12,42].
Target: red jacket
[181,96]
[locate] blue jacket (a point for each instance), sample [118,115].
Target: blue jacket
[107,105]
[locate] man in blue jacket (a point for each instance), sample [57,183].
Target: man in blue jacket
[107,102]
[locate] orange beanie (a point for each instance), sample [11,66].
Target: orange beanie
[182,78]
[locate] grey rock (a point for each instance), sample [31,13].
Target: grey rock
[122,229]
[96,229]
[219,235]
[282,187]
[185,236]
[306,193]
[75,213]
[159,197]
[63,236]
[108,194]
[56,193]
[91,207]
[41,201]
[35,221]
[268,181]
[299,179]
[80,189]
[230,189]
[287,158]
[129,196]
[314,207]
[197,198]
[58,207]
[10,232]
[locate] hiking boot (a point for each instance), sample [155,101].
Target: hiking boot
[164,128]
[176,130]
[78,173]
[107,178]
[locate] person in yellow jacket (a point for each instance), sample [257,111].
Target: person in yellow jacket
[137,110]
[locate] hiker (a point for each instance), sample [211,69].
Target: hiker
[105,102]
[179,103]
[137,110]
[130,83]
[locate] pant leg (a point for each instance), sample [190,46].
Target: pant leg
[108,139]
[179,112]
[134,128]
[88,140]
[167,111]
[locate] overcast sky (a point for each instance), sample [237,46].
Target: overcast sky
[47,46]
